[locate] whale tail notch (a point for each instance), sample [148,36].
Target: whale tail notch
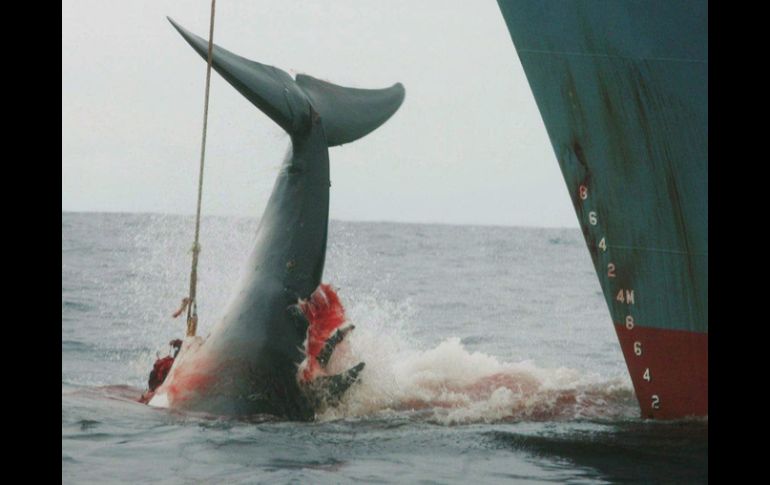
[347,113]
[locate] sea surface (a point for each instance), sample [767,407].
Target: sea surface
[491,358]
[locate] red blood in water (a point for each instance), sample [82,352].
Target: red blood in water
[325,314]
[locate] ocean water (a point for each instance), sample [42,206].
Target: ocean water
[490,353]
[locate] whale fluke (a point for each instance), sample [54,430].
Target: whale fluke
[348,113]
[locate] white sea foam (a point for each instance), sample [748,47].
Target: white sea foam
[451,384]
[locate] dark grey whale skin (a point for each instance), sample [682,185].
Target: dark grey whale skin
[253,353]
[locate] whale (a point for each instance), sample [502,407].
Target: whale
[257,358]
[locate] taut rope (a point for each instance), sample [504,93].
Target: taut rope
[192,308]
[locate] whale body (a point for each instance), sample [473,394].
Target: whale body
[251,361]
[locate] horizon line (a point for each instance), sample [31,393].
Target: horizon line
[375,221]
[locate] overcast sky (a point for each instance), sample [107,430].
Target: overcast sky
[468,145]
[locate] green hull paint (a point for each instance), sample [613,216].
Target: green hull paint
[622,87]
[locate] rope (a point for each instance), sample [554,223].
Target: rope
[192,309]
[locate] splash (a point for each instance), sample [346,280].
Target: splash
[449,384]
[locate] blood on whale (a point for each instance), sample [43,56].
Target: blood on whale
[324,313]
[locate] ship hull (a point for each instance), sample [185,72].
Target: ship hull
[622,87]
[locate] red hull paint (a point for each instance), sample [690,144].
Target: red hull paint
[669,369]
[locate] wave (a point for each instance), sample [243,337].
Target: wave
[75,346]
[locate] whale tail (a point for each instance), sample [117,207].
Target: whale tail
[347,113]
